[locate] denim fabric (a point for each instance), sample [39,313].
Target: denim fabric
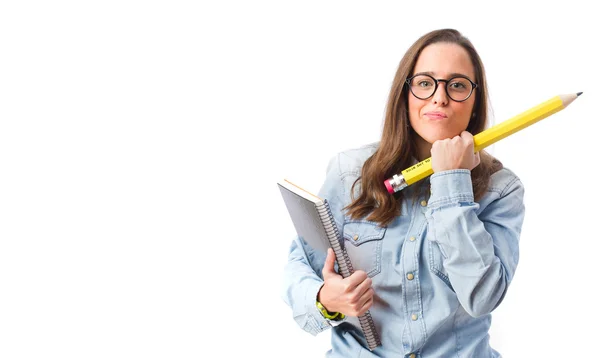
[461,256]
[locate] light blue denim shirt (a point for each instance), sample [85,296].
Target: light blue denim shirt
[438,270]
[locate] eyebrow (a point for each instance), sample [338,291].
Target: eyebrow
[451,75]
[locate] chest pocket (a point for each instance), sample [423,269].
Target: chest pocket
[363,241]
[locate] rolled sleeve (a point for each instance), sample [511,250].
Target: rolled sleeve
[450,187]
[301,285]
[480,249]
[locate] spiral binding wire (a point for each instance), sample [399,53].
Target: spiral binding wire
[346,269]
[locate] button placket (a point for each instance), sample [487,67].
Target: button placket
[411,258]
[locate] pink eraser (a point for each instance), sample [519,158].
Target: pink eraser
[389,186]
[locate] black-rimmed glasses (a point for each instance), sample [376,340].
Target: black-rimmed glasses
[458,88]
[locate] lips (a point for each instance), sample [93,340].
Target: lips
[436,115]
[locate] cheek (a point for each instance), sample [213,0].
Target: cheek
[464,115]
[414,108]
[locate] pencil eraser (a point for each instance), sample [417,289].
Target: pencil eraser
[389,186]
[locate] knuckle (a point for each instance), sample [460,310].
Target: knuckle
[361,275]
[364,308]
[346,286]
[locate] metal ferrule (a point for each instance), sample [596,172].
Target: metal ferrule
[398,183]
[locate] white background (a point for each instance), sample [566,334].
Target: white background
[140,144]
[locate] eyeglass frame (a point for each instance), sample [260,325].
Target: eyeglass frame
[437,81]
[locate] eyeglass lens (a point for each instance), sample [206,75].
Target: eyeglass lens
[457,88]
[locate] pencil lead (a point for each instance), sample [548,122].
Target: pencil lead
[579,94]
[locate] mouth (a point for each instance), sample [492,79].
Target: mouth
[436,115]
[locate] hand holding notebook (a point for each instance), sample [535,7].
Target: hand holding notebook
[314,223]
[352,296]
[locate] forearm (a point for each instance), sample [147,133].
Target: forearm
[301,285]
[475,272]
[480,251]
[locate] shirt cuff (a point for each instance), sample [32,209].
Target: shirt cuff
[450,187]
[316,319]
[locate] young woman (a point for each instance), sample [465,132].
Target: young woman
[435,259]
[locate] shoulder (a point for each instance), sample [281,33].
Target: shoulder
[351,160]
[504,200]
[503,181]
[344,169]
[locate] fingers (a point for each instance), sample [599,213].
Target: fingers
[467,137]
[469,143]
[356,279]
[464,138]
[363,302]
[364,286]
[365,307]
[477,160]
[351,296]
[361,299]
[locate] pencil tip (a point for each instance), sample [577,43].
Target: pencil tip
[579,94]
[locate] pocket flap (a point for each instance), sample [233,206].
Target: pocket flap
[359,232]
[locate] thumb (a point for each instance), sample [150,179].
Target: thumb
[477,159]
[328,267]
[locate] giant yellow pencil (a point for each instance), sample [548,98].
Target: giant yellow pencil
[488,137]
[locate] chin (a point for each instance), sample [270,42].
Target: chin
[432,139]
[441,136]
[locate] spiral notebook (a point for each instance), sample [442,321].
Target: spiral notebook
[314,222]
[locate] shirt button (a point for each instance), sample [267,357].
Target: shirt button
[412,356]
[414,317]
[355,237]
[412,238]
[410,276]
[423,203]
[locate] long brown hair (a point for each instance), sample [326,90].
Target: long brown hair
[396,149]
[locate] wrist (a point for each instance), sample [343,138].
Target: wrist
[335,316]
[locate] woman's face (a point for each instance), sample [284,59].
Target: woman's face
[439,117]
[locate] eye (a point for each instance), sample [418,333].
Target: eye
[425,83]
[422,82]
[459,84]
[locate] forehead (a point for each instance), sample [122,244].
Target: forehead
[442,59]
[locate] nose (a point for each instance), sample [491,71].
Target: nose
[441,96]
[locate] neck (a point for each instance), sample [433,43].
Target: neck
[423,148]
